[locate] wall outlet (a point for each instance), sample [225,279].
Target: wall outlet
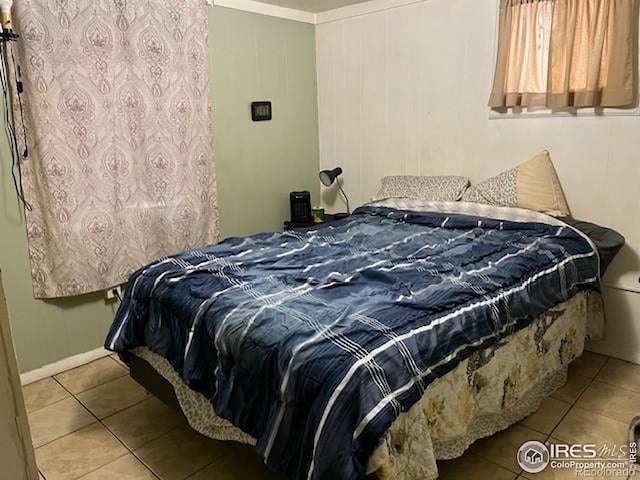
[114,292]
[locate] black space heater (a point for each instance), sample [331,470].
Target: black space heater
[300,207]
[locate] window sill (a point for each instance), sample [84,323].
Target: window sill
[582,112]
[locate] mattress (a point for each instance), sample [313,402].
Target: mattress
[488,392]
[314,342]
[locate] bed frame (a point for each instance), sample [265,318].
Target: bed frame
[143,373]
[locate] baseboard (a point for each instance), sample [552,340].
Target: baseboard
[603,348]
[63,365]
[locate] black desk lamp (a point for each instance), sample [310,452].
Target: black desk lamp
[328,177]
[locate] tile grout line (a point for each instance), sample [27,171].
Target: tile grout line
[96,469]
[50,405]
[75,395]
[130,406]
[93,386]
[133,452]
[119,411]
[77,430]
[573,405]
[66,434]
[160,436]
[187,427]
[146,443]
[82,405]
[206,466]
[591,382]
[594,379]
[601,414]
[98,385]
[575,402]
[602,367]
[485,459]
[128,452]
[616,386]
[98,421]
[63,387]
[549,435]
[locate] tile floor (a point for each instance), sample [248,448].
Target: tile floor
[95,423]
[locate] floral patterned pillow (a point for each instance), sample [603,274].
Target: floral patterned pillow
[499,190]
[533,185]
[435,189]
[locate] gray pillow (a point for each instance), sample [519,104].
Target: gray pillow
[607,241]
[435,189]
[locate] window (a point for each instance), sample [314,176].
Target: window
[566,54]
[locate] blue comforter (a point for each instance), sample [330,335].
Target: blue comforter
[314,341]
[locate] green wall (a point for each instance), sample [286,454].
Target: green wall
[259,163]
[252,57]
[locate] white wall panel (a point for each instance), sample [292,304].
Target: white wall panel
[623,335]
[405,90]
[349,109]
[373,140]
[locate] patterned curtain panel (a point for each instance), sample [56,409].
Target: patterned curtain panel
[120,170]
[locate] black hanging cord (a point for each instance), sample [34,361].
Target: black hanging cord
[16,163]
[17,73]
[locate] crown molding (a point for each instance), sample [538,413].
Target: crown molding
[266,9]
[359,9]
[328,16]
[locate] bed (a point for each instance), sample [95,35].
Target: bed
[372,346]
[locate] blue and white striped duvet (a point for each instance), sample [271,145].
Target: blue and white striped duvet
[313,342]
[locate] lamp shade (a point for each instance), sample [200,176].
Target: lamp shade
[327,177]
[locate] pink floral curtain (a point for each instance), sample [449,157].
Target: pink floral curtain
[120,170]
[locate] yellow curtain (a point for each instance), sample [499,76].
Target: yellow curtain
[566,53]
[592,59]
[523,52]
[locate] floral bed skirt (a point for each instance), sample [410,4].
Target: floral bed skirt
[486,393]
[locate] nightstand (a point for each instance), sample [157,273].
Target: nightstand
[328,218]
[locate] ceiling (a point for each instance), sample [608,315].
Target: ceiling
[313,5]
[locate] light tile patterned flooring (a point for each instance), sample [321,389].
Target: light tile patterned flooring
[95,423]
